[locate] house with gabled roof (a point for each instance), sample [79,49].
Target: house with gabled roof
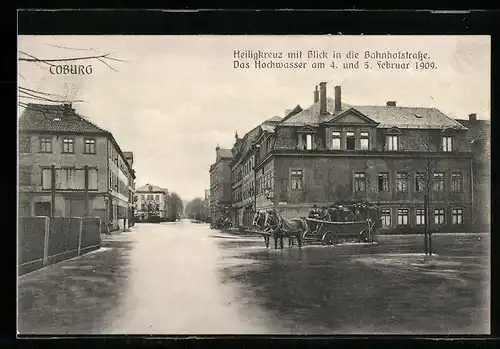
[68,166]
[333,151]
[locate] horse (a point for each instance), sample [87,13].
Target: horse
[281,227]
[258,222]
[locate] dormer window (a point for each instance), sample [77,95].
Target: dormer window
[335,140]
[350,141]
[365,141]
[392,142]
[447,143]
[309,141]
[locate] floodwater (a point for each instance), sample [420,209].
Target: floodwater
[183,278]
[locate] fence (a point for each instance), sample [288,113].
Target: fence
[44,240]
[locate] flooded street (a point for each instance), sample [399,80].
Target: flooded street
[183,278]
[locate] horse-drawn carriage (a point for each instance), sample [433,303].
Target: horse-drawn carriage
[354,222]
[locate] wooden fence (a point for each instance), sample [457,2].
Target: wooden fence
[45,240]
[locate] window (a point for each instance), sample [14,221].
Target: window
[392,142]
[46,144]
[24,175]
[142,197]
[447,143]
[350,141]
[420,216]
[25,144]
[438,181]
[402,181]
[46,178]
[439,215]
[386,217]
[365,141]
[359,182]
[92,179]
[150,197]
[65,179]
[336,140]
[457,181]
[296,179]
[420,181]
[68,145]
[457,215]
[402,216]
[383,181]
[89,146]
[157,197]
[309,142]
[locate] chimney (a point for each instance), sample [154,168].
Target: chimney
[338,98]
[322,98]
[391,103]
[473,117]
[316,94]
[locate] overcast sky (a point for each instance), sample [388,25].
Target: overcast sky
[177,97]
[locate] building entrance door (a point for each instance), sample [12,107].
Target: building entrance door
[42,208]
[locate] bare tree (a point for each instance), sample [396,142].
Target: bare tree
[26,94]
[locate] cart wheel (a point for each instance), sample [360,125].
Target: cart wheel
[328,238]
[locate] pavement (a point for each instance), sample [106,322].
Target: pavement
[183,278]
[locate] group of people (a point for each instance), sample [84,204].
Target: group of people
[345,212]
[221,223]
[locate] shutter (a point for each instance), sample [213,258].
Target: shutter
[92,179]
[46,178]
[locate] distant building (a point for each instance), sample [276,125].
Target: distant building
[332,151]
[68,166]
[151,201]
[478,136]
[220,184]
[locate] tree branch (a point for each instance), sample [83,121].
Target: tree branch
[49,99]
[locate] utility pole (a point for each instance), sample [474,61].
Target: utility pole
[86,190]
[53,190]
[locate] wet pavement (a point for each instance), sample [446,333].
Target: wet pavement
[183,278]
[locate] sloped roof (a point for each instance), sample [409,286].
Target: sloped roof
[52,118]
[224,153]
[311,115]
[146,188]
[409,117]
[386,116]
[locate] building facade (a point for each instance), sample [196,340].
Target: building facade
[387,155]
[70,167]
[151,201]
[129,156]
[244,176]
[479,136]
[220,184]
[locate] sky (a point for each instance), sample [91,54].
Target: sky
[175,98]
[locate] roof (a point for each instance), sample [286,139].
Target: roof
[52,118]
[224,153]
[386,116]
[311,115]
[128,154]
[409,117]
[146,188]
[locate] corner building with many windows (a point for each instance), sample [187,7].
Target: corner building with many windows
[386,155]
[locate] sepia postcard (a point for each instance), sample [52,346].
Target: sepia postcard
[211,184]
